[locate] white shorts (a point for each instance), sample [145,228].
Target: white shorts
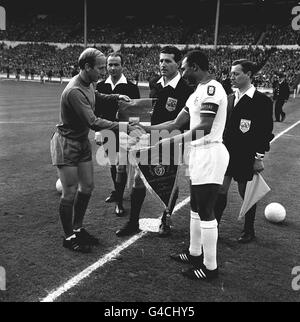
[208,163]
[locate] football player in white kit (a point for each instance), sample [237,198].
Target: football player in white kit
[206,111]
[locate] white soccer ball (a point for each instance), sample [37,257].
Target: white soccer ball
[275,212]
[58,186]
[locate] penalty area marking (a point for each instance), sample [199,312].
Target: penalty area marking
[53,295]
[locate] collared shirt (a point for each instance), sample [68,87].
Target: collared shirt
[250,92]
[122,80]
[173,82]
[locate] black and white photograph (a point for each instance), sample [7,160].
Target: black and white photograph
[149,154]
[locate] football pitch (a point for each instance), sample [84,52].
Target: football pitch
[135,269]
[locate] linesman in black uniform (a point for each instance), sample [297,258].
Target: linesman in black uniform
[247,136]
[171,92]
[116,83]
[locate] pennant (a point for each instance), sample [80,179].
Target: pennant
[159,179]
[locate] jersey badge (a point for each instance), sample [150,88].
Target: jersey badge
[211,90]
[171,104]
[245,125]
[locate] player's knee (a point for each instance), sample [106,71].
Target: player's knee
[87,188]
[69,192]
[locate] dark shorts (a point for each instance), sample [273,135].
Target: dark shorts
[240,167]
[68,152]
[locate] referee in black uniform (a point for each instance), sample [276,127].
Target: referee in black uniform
[116,83]
[171,92]
[247,136]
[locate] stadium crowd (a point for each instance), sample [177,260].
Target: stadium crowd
[43,28]
[40,56]
[141,62]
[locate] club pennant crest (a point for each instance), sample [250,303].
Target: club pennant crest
[245,125]
[159,170]
[171,104]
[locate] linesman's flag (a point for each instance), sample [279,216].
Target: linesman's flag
[255,190]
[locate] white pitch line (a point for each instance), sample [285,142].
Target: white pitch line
[285,131]
[53,295]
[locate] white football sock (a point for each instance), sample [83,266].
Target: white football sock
[209,238]
[195,235]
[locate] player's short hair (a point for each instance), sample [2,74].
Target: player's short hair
[172,50]
[88,56]
[117,54]
[247,65]
[199,58]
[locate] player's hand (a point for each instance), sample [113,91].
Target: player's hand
[258,166]
[98,138]
[147,129]
[124,98]
[135,130]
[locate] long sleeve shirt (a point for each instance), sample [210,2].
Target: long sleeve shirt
[77,108]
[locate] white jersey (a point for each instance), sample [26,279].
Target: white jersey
[208,159]
[208,98]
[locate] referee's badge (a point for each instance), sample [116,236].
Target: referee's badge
[171,104]
[211,90]
[245,125]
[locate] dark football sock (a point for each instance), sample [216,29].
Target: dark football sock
[136,201]
[66,215]
[113,172]
[80,204]
[220,206]
[120,186]
[249,220]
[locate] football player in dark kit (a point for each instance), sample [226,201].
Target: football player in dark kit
[247,137]
[71,150]
[116,83]
[171,92]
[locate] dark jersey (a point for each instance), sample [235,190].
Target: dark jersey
[77,107]
[249,125]
[109,110]
[170,101]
